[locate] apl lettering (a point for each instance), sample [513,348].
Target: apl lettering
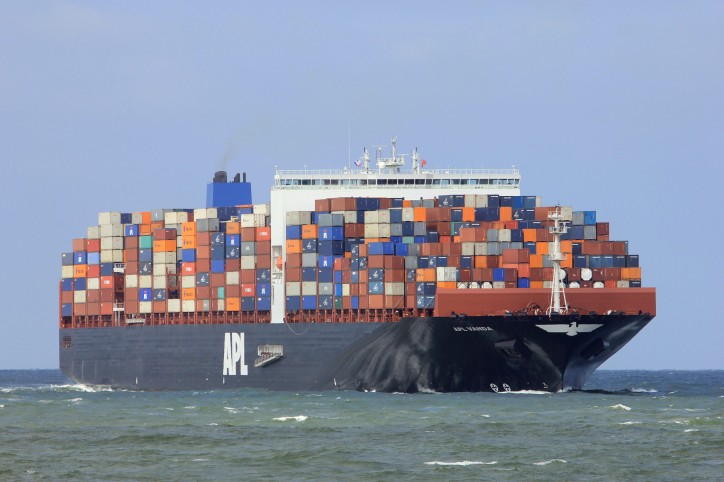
[234,354]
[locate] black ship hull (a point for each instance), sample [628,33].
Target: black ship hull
[491,353]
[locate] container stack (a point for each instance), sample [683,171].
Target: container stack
[393,254]
[169,262]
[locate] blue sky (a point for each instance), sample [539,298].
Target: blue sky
[609,106]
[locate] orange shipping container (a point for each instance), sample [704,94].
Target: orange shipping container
[146,217]
[506,213]
[188,241]
[425,274]
[294,245]
[164,246]
[536,260]
[80,270]
[144,229]
[233,304]
[188,294]
[233,227]
[309,231]
[420,214]
[189,228]
[541,247]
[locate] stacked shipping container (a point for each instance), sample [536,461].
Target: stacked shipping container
[350,255]
[161,262]
[363,254]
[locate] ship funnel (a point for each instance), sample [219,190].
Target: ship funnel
[237,177]
[220,177]
[244,178]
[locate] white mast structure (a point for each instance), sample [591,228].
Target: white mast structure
[557,290]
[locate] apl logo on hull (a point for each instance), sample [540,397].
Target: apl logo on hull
[234,354]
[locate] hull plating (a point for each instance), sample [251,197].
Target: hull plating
[441,354]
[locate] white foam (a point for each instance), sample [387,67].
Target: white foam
[621,406]
[76,400]
[644,390]
[461,463]
[426,390]
[200,460]
[691,430]
[550,462]
[485,416]
[629,423]
[2,406]
[298,418]
[213,424]
[527,392]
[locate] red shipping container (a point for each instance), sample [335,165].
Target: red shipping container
[232,265]
[248,234]
[263,234]
[203,239]
[93,309]
[106,308]
[263,248]
[188,269]
[94,270]
[107,295]
[376,302]
[131,242]
[130,307]
[248,276]
[131,268]
[203,293]
[217,280]
[232,291]
[159,307]
[164,234]
[203,265]
[93,245]
[79,309]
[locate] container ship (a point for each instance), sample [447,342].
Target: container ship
[372,277]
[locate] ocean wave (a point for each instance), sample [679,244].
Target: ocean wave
[298,418]
[550,462]
[643,390]
[77,387]
[691,430]
[629,423]
[461,463]
[620,406]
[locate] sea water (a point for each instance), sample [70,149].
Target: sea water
[626,425]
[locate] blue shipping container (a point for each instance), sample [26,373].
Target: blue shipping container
[145,294]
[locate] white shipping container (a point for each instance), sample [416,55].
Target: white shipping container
[293,288]
[350,217]
[309,288]
[467,249]
[94,284]
[199,213]
[481,200]
[188,306]
[145,281]
[394,289]
[131,281]
[481,248]
[470,200]
[232,277]
[106,256]
[159,282]
[408,215]
[295,218]
[188,281]
[94,232]
[383,216]
[372,230]
[371,217]
[145,307]
[504,235]
[66,272]
[384,230]
[174,306]
[622,284]
[79,296]
[136,218]
[109,230]
[247,220]
[221,305]
[109,218]
[164,258]
[163,269]
[248,262]
[212,213]
[345,289]
[498,285]
[263,209]
[117,256]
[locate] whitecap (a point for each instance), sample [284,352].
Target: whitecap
[462,463]
[200,460]
[644,390]
[691,430]
[426,390]
[527,392]
[629,423]
[190,407]
[298,418]
[621,406]
[213,424]
[485,415]
[550,462]
[170,409]
[76,400]
[2,406]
